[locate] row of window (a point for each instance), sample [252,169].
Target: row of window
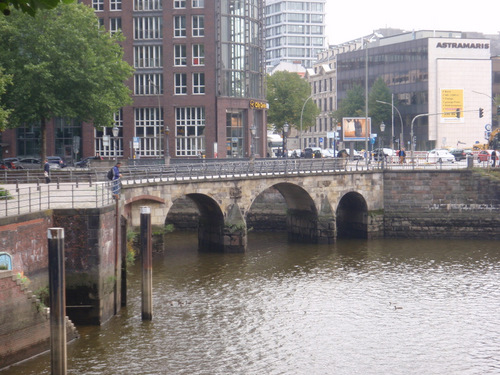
[148,126]
[144,5]
[151,56]
[152,84]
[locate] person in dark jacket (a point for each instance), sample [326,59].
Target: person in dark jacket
[46,171]
[116,180]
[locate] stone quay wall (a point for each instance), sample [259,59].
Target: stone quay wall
[441,204]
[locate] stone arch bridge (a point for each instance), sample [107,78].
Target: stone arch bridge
[320,206]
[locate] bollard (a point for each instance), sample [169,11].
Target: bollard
[147,264]
[57,290]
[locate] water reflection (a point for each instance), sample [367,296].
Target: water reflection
[368,307]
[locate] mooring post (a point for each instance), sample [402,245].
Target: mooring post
[57,290]
[147,264]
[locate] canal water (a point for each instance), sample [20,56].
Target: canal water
[354,307]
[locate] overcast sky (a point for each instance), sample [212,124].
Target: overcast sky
[347,20]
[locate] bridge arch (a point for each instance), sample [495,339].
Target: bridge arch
[352,216]
[210,223]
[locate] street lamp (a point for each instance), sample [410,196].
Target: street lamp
[253,132]
[301,115]
[400,119]
[381,141]
[167,150]
[285,131]
[115,132]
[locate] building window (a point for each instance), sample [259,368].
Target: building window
[198,26]
[179,26]
[180,58]
[5,261]
[114,148]
[147,5]
[198,83]
[98,5]
[148,128]
[180,83]
[148,84]
[198,54]
[148,56]
[115,25]
[198,4]
[101,22]
[115,4]
[147,28]
[179,4]
[189,131]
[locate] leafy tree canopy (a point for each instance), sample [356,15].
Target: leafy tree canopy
[62,65]
[4,112]
[354,104]
[30,6]
[287,93]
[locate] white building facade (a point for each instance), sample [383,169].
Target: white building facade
[295,31]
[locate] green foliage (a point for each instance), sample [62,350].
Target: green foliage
[4,194]
[4,112]
[286,94]
[29,6]
[352,106]
[169,228]
[131,249]
[44,296]
[62,65]
[378,111]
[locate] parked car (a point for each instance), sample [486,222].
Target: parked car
[312,152]
[13,162]
[56,160]
[387,152]
[328,153]
[484,155]
[459,154]
[30,163]
[440,156]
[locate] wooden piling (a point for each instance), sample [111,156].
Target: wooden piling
[57,290]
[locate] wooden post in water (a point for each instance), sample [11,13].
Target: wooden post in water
[147,264]
[57,290]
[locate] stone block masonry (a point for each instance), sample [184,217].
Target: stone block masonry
[441,204]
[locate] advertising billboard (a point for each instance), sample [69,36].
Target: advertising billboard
[355,128]
[452,105]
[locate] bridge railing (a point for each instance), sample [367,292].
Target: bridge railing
[16,199]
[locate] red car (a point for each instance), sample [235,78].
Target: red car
[484,155]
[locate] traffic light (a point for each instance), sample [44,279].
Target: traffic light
[498,110]
[481,113]
[458,112]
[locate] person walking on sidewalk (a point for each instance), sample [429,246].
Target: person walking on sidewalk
[116,180]
[46,171]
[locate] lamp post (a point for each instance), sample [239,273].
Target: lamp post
[381,143]
[366,98]
[253,131]
[301,115]
[115,132]
[167,149]
[285,131]
[157,89]
[400,119]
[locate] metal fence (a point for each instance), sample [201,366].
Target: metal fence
[24,191]
[16,199]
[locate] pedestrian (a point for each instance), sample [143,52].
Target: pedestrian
[402,155]
[493,158]
[46,171]
[116,180]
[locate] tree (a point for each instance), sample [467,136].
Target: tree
[4,112]
[352,106]
[378,111]
[62,65]
[286,94]
[30,6]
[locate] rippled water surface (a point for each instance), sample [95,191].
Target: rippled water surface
[356,307]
